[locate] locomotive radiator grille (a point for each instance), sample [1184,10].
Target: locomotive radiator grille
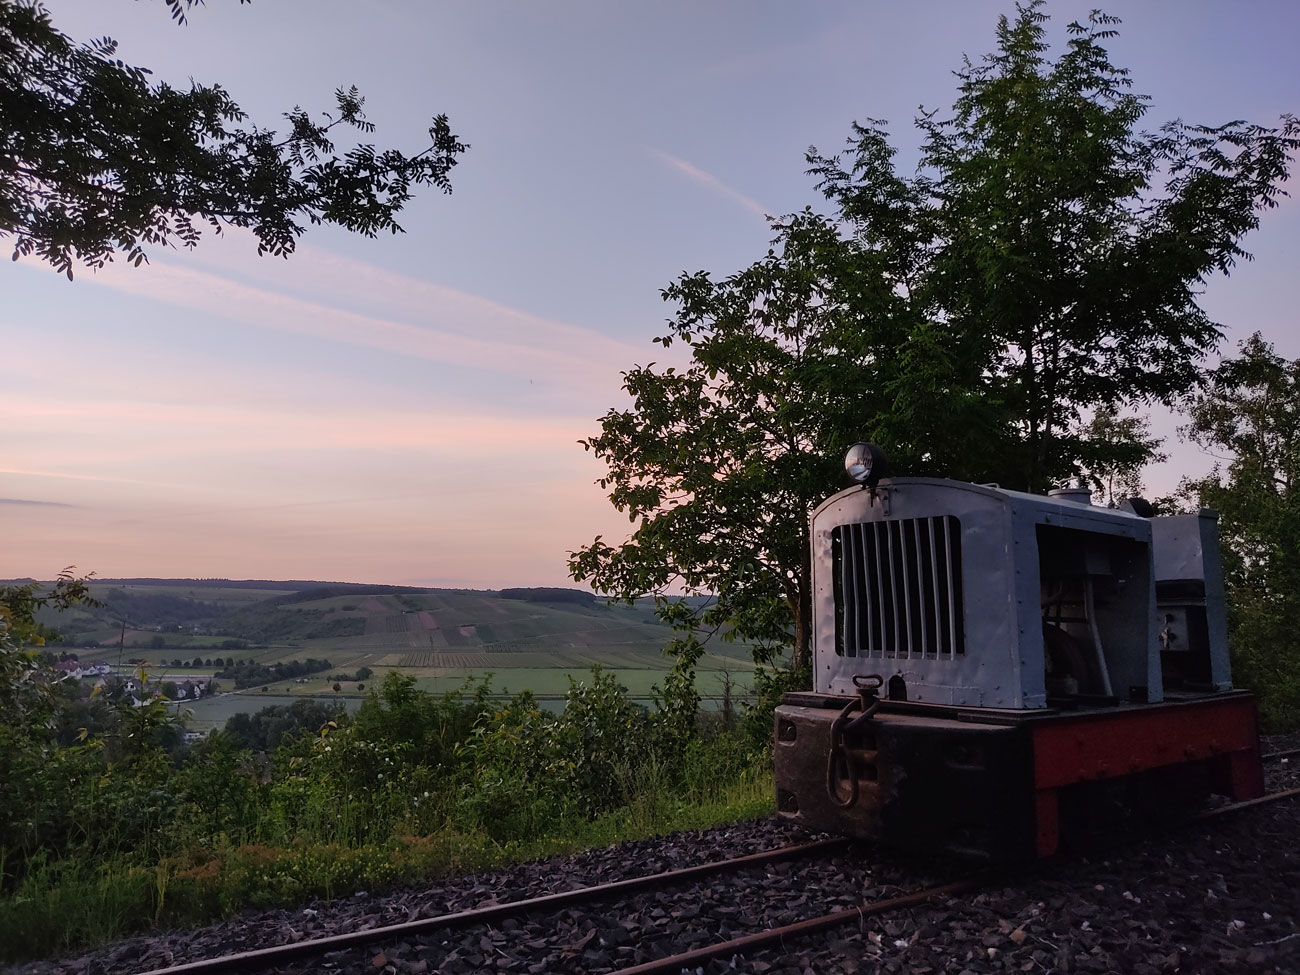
[898,588]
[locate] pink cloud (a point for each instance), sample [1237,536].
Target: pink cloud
[328,277]
[189,288]
[289,470]
[456,533]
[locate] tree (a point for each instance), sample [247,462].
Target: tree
[95,160]
[1249,409]
[1057,245]
[1120,446]
[718,463]
[1043,265]
[27,682]
[266,729]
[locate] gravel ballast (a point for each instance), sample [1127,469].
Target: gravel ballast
[1218,896]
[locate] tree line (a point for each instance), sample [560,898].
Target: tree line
[250,673]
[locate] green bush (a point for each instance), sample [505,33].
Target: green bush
[1264,660]
[769,685]
[412,785]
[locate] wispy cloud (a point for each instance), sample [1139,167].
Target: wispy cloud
[709,181]
[161,462]
[216,428]
[340,299]
[329,277]
[206,292]
[66,476]
[39,504]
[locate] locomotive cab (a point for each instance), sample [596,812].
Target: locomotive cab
[976,651]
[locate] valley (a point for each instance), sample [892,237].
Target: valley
[523,639]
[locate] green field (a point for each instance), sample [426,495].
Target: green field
[538,640]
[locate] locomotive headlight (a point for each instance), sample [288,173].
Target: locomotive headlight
[866,463]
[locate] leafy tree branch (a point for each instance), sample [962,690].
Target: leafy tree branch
[96,160]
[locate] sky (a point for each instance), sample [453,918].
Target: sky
[407,410]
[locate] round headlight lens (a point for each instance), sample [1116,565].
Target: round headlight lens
[865,463]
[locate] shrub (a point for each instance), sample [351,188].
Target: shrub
[413,783]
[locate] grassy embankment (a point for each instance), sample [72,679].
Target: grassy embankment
[76,905]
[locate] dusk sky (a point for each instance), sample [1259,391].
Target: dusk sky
[407,409]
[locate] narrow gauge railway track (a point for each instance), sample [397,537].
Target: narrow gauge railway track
[290,956]
[686,960]
[262,959]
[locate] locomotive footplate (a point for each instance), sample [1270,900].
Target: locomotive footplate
[989,783]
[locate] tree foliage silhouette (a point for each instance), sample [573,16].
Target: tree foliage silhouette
[1248,413]
[97,160]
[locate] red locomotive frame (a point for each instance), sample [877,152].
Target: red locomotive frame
[988,784]
[1068,749]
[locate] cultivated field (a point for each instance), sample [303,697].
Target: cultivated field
[537,640]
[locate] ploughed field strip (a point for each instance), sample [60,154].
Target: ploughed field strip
[1206,896]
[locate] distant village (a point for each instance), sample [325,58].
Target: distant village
[189,689]
[108,680]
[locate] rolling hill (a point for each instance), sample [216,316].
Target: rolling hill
[535,639]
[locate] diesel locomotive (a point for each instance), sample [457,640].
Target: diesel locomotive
[983,657]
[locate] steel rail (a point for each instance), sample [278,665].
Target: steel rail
[677,963]
[1233,807]
[261,958]
[761,939]
[1274,756]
